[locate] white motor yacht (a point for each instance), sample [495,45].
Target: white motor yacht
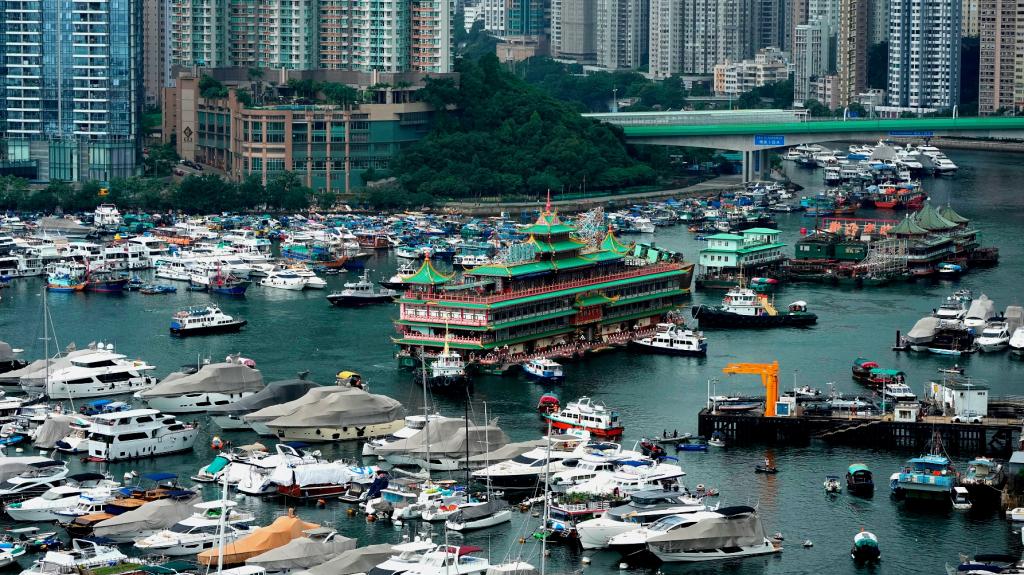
[38,478]
[99,374]
[943,165]
[1017,341]
[138,433]
[449,560]
[252,475]
[995,337]
[644,508]
[671,339]
[726,533]
[898,392]
[631,476]
[285,279]
[214,384]
[406,556]
[526,471]
[82,557]
[413,425]
[89,502]
[45,507]
[200,531]
[313,281]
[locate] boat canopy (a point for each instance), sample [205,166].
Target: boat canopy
[447,436]
[158,477]
[982,308]
[151,516]
[226,377]
[332,473]
[360,560]
[331,407]
[36,371]
[302,553]
[857,468]
[889,372]
[923,331]
[275,393]
[275,535]
[14,466]
[473,512]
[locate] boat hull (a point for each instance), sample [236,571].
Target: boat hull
[311,491]
[711,317]
[348,301]
[229,422]
[610,432]
[345,433]
[193,402]
[717,554]
[503,516]
[676,351]
[209,330]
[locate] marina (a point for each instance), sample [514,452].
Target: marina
[294,331]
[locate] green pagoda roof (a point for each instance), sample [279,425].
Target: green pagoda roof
[427,275]
[908,227]
[557,246]
[514,270]
[930,219]
[548,222]
[949,214]
[611,243]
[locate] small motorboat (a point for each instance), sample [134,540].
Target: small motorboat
[1016,514]
[153,289]
[697,444]
[548,403]
[961,498]
[716,440]
[832,484]
[766,467]
[652,449]
[955,370]
[865,548]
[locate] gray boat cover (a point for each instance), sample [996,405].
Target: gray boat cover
[275,393]
[226,377]
[359,560]
[510,451]
[55,428]
[730,529]
[982,308]
[883,152]
[472,512]
[35,372]
[14,466]
[515,568]
[447,437]
[155,515]
[6,351]
[333,406]
[302,553]
[923,331]
[1014,317]
[61,226]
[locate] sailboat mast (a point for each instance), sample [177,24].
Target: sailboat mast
[426,409]
[467,437]
[221,525]
[46,344]
[544,524]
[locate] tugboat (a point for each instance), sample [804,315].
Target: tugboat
[743,307]
[360,293]
[865,548]
[585,414]
[204,320]
[671,339]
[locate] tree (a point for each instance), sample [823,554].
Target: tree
[339,94]
[306,88]
[205,194]
[210,88]
[13,192]
[160,160]
[287,192]
[816,109]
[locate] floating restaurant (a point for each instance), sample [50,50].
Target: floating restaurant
[553,294]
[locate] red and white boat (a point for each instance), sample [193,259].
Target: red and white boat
[588,415]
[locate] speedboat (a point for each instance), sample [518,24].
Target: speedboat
[45,507]
[727,533]
[961,498]
[865,547]
[37,479]
[671,339]
[644,508]
[1017,341]
[480,515]
[214,384]
[544,370]
[898,392]
[200,531]
[995,337]
[362,292]
[832,484]
[137,434]
[450,560]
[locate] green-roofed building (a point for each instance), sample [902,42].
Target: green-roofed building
[548,292]
[748,253]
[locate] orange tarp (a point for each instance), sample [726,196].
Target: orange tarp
[278,533]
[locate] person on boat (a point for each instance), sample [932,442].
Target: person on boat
[767,464]
[675,433]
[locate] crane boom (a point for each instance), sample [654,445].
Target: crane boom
[769,373]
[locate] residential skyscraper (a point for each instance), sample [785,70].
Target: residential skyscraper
[433,25]
[971,10]
[1001,66]
[878,25]
[72,88]
[623,28]
[852,49]
[666,38]
[924,54]
[524,17]
[199,32]
[692,36]
[769,24]
[573,28]
[156,72]
[812,45]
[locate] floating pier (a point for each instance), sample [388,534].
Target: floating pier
[994,436]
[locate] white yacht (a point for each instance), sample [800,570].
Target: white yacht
[527,471]
[174,267]
[89,502]
[953,308]
[38,478]
[213,384]
[897,391]
[995,337]
[579,471]
[200,531]
[449,560]
[726,533]
[407,555]
[82,557]
[57,498]
[1017,341]
[285,279]
[413,425]
[672,339]
[144,251]
[644,508]
[313,281]
[630,477]
[943,165]
[252,476]
[99,374]
[138,433]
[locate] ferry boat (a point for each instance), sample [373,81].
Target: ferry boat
[138,433]
[204,320]
[743,307]
[671,339]
[98,374]
[589,416]
[544,370]
[551,290]
[928,478]
[362,292]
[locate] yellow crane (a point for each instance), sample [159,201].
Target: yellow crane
[769,373]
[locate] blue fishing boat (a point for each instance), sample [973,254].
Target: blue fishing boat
[66,278]
[228,285]
[105,282]
[928,478]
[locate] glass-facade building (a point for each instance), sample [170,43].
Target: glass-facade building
[72,88]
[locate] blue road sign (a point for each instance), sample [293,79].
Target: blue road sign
[760,140]
[911,134]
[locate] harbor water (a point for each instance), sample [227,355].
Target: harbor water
[291,332]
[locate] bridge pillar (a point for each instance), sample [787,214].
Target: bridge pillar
[756,165]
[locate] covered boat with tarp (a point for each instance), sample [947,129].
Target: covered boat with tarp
[32,377]
[729,532]
[55,428]
[446,441]
[319,546]
[359,560]
[9,360]
[923,332]
[148,519]
[275,393]
[318,480]
[277,534]
[335,413]
[213,384]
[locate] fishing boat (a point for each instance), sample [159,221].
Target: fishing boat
[227,284]
[671,339]
[865,548]
[139,433]
[204,320]
[544,370]
[66,278]
[716,440]
[587,415]
[105,282]
[984,479]
[362,292]
[743,307]
[156,289]
[960,499]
